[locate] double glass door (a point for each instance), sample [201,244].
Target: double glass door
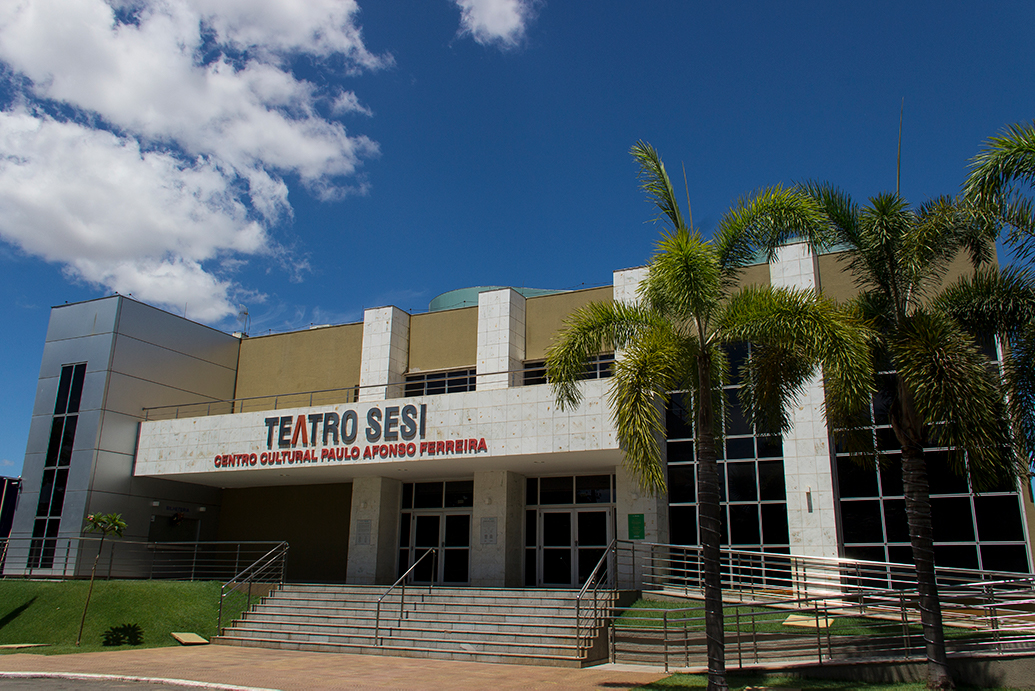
[570,543]
[447,532]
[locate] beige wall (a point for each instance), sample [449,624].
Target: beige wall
[836,282]
[755,275]
[300,361]
[312,519]
[545,315]
[444,340]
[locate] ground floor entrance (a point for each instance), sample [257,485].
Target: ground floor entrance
[569,543]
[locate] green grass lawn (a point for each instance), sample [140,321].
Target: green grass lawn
[740,681]
[649,613]
[49,612]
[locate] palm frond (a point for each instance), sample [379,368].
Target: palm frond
[684,278]
[595,328]
[1006,158]
[1019,373]
[957,393]
[792,332]
[767,220]
[992,301]
[841,212]
[648,370]
[656,183]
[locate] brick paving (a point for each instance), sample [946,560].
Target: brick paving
[291,670]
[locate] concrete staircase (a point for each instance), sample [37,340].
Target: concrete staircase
[524,626]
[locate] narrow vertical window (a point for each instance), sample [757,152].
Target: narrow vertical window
[56,464]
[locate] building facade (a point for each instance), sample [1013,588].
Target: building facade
[364,445]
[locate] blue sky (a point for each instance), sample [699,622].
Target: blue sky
[311,158]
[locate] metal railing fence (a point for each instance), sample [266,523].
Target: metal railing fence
[401,584]
[72,557]
[596,592]
[308,399]
[747,574]
[980,617]
[258,578]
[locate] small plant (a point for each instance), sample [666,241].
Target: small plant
[130,634]
[107,524]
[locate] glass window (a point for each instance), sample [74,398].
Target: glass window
[744,525]
[593,489]
[682,485]
[861,521]
[952,519]
[683,525]
[427,495]
[998,519]
[855,479]
[555,490]
[770,481]
[459,493]
[741,483]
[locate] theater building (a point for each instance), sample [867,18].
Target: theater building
[364,444]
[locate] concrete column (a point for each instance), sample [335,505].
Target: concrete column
[501,338]
[374,530]
[627,284]
[386,353]
[811,514]
[631,500]
[496,530]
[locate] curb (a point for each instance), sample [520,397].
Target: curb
[186,683]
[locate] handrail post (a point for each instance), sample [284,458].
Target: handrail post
[664,633]
[905,622]
[819,635]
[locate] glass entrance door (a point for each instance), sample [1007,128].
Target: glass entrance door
[449,533]
[571,542]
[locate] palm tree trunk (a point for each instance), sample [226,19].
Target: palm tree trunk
[89,593]
[907,428]
[709,512]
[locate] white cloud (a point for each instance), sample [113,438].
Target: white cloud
[185,117]
[501,22]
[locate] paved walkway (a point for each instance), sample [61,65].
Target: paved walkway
[258,668]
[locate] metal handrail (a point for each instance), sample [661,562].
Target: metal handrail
[402,595]
[352,396]
[743,570]
[984,616]
[273,562]
[64,557]
[595,583]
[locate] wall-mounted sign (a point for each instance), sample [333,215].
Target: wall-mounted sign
[637,531]
[390,431]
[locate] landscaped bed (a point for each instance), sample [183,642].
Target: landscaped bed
[121,614]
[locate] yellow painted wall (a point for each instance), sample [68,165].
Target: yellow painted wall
[313,519]
[837,283]
[755,275]
[444,340]
[300,361]
[545,315]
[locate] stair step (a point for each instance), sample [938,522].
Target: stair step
[523,625]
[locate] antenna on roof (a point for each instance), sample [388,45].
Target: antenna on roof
[243,317]
[898,167]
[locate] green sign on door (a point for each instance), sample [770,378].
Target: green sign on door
[636,530]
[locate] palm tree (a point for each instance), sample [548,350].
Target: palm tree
[998,176]
[945,391]
[106,524]
[673,338]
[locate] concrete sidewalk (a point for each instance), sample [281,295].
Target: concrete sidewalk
[258,668]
